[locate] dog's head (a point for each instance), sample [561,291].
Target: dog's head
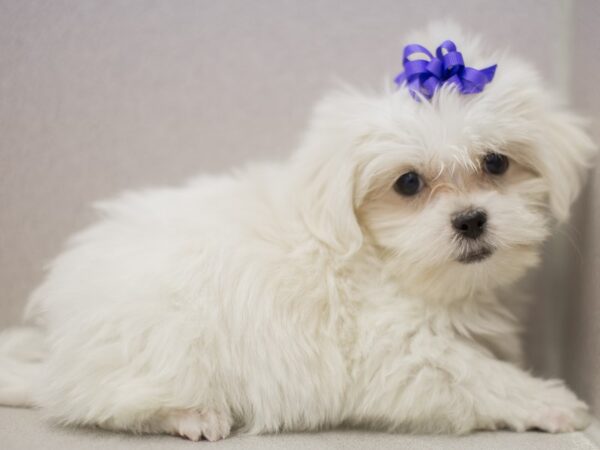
[456,193]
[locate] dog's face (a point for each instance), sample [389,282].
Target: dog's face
[456,194]
[451,204]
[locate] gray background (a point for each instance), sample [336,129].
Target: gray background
[100,96]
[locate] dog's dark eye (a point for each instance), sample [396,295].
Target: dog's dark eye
[408,184]
[495,163]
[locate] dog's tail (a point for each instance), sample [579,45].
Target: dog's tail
[21,356]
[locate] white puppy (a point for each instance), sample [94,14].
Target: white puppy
[353,284]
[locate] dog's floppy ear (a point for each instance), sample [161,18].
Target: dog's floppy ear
[327,165]
[566,152]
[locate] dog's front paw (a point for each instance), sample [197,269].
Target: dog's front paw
[560,412]
[557,419]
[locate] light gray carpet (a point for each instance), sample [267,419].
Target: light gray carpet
[24,429]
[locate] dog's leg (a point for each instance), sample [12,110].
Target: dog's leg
[462,390]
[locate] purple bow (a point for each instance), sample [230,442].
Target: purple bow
[424,76]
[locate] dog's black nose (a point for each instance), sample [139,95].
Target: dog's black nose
[470,223]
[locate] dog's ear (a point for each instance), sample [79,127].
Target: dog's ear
[327,167]
[566,153]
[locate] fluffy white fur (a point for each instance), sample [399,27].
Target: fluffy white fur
[309,294]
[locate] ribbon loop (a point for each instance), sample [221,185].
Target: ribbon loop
[424,76]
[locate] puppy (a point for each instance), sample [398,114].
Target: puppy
[353,284]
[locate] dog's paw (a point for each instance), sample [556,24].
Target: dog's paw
[556,419]
[194,425]
[560,412]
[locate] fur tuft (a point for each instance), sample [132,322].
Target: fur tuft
[22,351]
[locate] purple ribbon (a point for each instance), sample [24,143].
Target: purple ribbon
[425,76]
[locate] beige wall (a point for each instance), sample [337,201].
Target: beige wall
[99,96]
